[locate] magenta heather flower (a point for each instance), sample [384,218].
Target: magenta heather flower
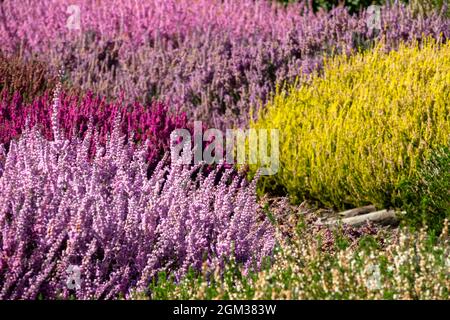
[143,123]
[59,208]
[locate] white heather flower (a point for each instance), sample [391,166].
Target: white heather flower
[373,280]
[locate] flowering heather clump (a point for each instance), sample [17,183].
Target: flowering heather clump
[58,209]
[214,59]
[368,125]
[153,123]
[408,266]
[141,23]
[217,77]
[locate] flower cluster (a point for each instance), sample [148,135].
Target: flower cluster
[142,123]
[105,216]
[214,59]
[408,266]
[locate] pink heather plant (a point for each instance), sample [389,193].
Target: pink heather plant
[60,208]
[138,22]
[212,59]
[38,25]
[152,123]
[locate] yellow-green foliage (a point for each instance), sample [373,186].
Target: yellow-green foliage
[352,135]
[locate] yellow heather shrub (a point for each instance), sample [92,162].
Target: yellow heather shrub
[353,134]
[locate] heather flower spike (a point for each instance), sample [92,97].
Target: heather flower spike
[105,218]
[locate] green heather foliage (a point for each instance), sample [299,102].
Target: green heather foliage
[427,195]
[365,128]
